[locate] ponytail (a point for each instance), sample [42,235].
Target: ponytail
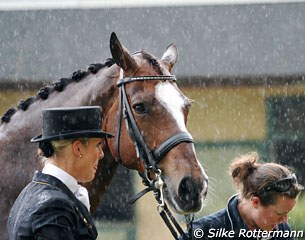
[242,170]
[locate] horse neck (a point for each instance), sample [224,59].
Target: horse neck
[101,91]
[93,90]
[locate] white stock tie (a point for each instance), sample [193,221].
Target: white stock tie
[82,195]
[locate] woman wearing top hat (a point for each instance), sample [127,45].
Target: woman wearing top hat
[54,205]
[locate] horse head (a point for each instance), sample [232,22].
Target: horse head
[154,137]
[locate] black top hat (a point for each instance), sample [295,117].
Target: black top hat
[71,123]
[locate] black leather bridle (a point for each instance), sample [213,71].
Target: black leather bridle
[150,157]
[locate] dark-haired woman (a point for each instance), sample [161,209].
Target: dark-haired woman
[268,192]
[54,205]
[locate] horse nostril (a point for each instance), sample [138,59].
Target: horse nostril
[189,189]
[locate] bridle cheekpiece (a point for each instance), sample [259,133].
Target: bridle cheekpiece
[150,157]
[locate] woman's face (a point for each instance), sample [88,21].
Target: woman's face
[87,165]
[267,217]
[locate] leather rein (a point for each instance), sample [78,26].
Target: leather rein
[150,157]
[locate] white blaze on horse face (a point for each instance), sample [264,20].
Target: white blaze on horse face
[172,100]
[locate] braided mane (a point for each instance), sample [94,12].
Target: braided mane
[58,86]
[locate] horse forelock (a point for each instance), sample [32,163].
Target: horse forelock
[152,61]
[57,86]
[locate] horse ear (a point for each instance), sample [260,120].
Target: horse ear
[170,55]
[120,54]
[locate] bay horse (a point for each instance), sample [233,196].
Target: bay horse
[159,110]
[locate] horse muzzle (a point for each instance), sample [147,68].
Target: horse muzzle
[190,195]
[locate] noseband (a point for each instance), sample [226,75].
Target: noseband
[150,157]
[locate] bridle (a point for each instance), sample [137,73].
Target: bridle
[150,157]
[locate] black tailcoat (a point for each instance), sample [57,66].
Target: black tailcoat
[47,209]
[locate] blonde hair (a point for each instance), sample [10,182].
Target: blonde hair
[60,144]
[55,147]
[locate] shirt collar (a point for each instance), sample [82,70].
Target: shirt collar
[62,175]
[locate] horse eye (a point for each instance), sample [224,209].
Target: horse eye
[139,108]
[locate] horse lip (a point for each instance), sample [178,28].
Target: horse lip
[183,207]
[190,206]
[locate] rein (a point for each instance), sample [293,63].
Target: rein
[150,157]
